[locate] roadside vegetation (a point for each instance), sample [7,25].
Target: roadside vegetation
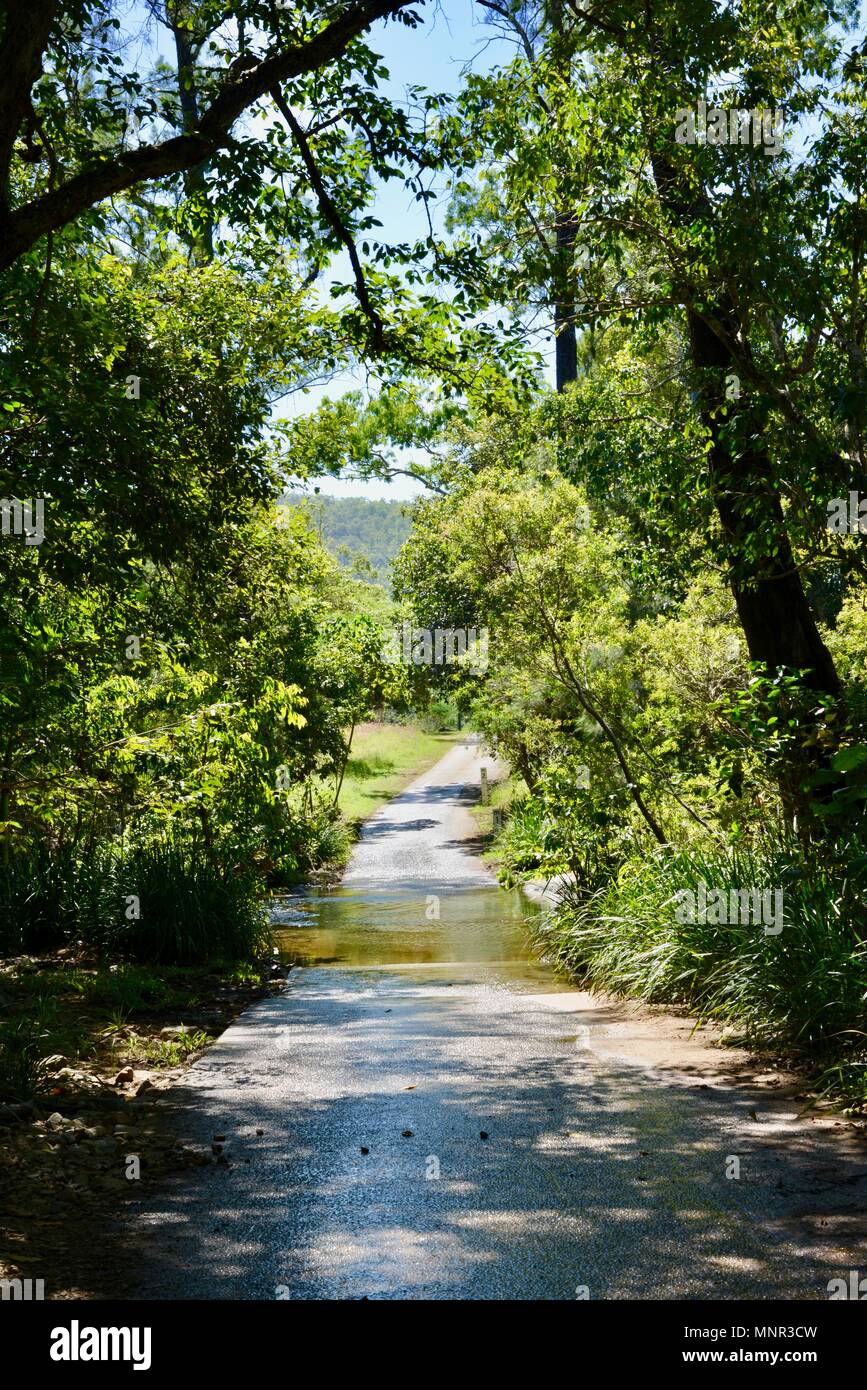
[672,612]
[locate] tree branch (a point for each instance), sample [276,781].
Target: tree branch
[329,211]
[20,229]
[25,35]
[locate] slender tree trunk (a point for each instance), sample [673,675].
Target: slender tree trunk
[195,185]
[565,340]
[345,762]
[522,762]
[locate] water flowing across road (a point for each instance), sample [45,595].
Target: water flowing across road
[423,1114]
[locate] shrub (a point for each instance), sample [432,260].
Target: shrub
[22,1067]
[164,902]
[803,989]
[44,895]
[167,903]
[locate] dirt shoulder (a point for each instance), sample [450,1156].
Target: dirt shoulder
[676,1048]
[91,1135]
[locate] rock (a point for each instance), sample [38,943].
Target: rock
[179,1031]
[260,1131]
[364,1150]
[23,1109]
[8,1116]
[216,1148]
[106,1100]
[193,1157]
[407,1134]
[124,1077]
[77,1079]
[219,1138]
[54,1121]
[145,1085]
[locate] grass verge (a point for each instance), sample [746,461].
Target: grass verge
[386,758]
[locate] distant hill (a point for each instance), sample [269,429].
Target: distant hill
[356,526]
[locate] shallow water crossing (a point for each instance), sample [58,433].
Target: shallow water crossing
[411,927]
[426,1113]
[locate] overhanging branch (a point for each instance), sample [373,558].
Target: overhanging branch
[329,211]
[20,229]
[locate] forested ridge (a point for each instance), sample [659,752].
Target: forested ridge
[364,534]
[623,354]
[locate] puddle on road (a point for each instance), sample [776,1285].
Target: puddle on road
[395,928]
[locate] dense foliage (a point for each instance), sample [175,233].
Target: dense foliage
[660,553]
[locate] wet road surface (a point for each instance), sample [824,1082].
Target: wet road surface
[435,1123]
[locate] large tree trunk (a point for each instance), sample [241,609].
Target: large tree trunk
[775,614]
[773,608]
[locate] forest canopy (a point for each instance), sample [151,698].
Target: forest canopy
[618,347]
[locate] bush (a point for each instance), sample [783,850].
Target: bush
[313,834]
[803,989]
[545,837]
[44,895]
[188,911]
[167,904]
[438,717]
[22,1068]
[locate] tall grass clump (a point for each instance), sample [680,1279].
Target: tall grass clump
[23,1073]
[167,903]
[803,989]
[44,894]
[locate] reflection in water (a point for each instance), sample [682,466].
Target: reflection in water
[415,924]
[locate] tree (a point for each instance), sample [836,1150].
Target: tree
[754,258]
[62,80]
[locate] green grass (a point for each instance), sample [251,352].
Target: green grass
[385,759]
[503,793]
[803,990]
[159,1052]
[22,1070]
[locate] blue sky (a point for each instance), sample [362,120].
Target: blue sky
[451,37]
[434,56]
